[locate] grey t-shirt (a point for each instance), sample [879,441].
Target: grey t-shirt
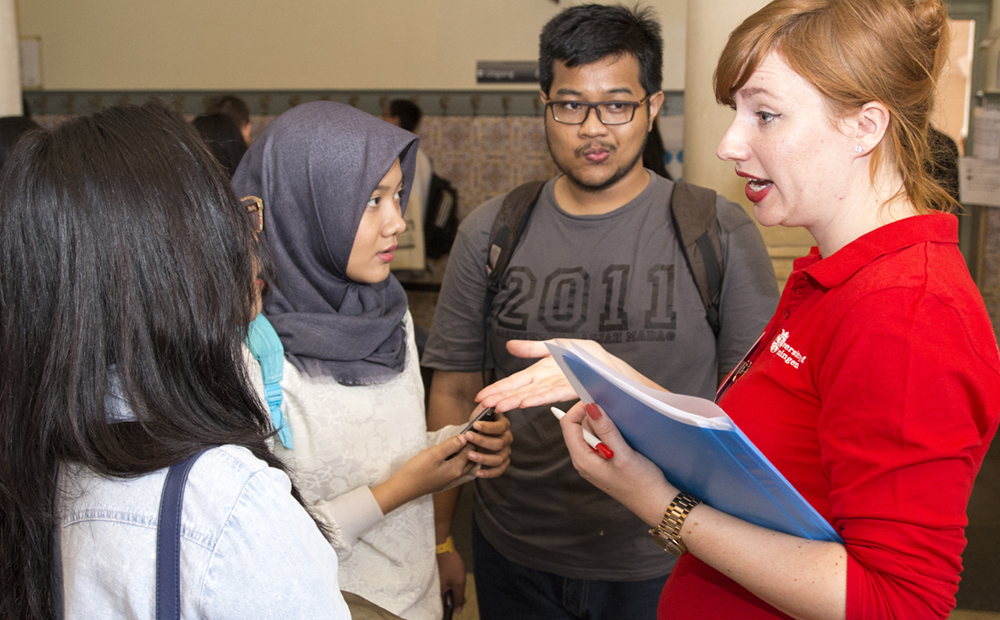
[621,279]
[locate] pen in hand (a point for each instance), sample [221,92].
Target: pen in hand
[591,439]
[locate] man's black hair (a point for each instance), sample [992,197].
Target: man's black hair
[407,112]
[586,33]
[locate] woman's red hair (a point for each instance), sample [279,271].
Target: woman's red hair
[855,52]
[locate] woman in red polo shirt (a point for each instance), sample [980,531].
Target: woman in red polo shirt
[886,415]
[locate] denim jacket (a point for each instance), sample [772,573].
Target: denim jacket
[248,549]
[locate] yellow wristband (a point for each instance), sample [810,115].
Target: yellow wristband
[448,546]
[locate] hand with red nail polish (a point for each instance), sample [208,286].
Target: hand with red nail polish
[591,439]
[593,411]
[624,474]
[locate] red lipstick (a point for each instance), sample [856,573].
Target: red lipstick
[757,189]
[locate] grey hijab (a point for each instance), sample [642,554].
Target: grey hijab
[315,167]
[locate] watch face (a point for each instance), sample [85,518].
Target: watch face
[666,543]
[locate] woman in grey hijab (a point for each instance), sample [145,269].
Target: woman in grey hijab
[332,180]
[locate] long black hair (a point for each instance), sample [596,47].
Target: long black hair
[11,130]
[125,258]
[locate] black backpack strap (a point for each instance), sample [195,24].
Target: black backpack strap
[505,234]
[441,218]
[508,227]
[693,213]
[168,540]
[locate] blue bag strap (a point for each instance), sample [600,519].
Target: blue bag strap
[267,349]
[168,540]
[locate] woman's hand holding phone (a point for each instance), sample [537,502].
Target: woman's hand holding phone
[437,468]
[428,471]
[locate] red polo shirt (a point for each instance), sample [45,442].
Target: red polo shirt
[875,390]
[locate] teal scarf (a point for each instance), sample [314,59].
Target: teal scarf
[266,347]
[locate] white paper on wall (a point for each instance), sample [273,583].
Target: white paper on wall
[979,181]
[986,133]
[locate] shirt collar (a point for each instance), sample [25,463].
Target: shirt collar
[840,266]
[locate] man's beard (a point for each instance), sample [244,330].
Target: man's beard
[618,175]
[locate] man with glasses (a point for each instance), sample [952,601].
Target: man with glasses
[598,259]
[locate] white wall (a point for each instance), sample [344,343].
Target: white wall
[10,76]
[991,66]
[295,44]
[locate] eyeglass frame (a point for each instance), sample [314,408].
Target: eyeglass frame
[594,106]
[257,207]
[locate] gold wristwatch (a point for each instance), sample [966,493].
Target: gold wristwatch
[668,533]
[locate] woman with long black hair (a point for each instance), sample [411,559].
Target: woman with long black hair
[128,275]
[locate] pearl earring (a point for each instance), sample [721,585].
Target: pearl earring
[858,149]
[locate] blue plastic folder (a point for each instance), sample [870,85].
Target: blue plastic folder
[700,450]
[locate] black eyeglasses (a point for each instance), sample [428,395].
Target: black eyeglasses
[608,112]
[255,206]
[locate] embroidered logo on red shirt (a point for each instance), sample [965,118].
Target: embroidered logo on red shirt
[781,348]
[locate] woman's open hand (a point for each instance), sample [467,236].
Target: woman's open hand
[543,383]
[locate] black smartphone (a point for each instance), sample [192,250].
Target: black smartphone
[449,605]
[487,415]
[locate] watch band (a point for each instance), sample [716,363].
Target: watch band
[668,534]
[448,546]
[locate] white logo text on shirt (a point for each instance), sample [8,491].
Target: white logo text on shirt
[781,348]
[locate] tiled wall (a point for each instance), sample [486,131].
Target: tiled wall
[486,156]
